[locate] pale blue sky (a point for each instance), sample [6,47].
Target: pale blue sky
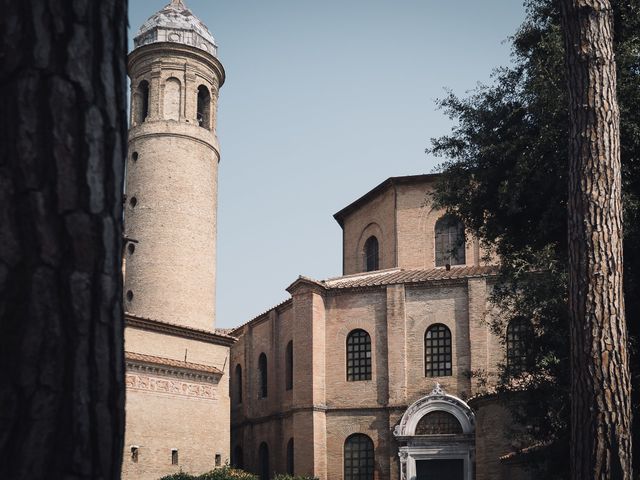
[323,101]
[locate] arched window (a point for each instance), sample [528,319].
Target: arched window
[262,376]
[172,99]
[289,366]
[204,107]
[371,254]
[358,356]
[238,458]
[519,335]
[438,423]
[437,351]
[263,458]
[359,461]
[450,241]
[290,456]
[141,102]
[238,382]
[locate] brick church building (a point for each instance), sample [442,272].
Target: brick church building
[368,375]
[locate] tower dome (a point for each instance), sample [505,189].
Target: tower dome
[176,23]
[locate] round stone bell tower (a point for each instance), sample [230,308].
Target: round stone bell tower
[172,170]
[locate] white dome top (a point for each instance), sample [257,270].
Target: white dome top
[176,23]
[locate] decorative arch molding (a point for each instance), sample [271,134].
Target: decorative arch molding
[425,448]
[437,400]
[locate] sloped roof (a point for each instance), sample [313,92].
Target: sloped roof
[169,362]
[407,179]
[400,275]
[386,277]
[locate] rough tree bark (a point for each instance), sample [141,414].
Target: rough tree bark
[63,129]
[601,389]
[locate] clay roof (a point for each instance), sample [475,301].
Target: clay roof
[219,336]
[399,275]
[169,362]
[385,277]
[340,216]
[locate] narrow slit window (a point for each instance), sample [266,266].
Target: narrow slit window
[204,107]
[263,376]
[174,457]
[372,254]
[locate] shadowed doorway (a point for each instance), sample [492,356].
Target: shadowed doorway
[440,469]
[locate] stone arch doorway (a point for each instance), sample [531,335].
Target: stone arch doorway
[437,438]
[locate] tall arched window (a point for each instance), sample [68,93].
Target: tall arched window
[238,458]
[289,366]
[204,107]
[438,423]
[358,356]
[519,336]
[371,254]
[290,457]
[263,458]
[238,381]
[172,96]
[262,376]
[450,241]
[437,351]
[359,460]
[141,102]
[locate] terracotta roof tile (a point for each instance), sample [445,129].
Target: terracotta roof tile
[169,362]
[397,275]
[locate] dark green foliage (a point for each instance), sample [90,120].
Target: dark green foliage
[225,473]
[506,177]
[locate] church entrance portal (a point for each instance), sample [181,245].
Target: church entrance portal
[436,436]
[440,469]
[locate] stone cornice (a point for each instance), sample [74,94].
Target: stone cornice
[140,323]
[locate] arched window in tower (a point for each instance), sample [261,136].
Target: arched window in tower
[371,254]
[358,356]
[263,459]
[172,96]
[437,351]
[238,382]
[289,366]
[141,102]
[450,241]
[204,107]
[262,376]
[237,461]
[519,352]
[359,459]
[290,462]
[438,423]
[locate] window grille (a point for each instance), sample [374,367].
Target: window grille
[519,335]
[358,356]
[450,242]
[359,460]
[438,423]
[437,351]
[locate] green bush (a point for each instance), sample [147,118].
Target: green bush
[224,473]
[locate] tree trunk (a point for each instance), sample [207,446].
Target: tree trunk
[63,128]
[601,390]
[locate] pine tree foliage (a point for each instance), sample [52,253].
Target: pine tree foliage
[506,177]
